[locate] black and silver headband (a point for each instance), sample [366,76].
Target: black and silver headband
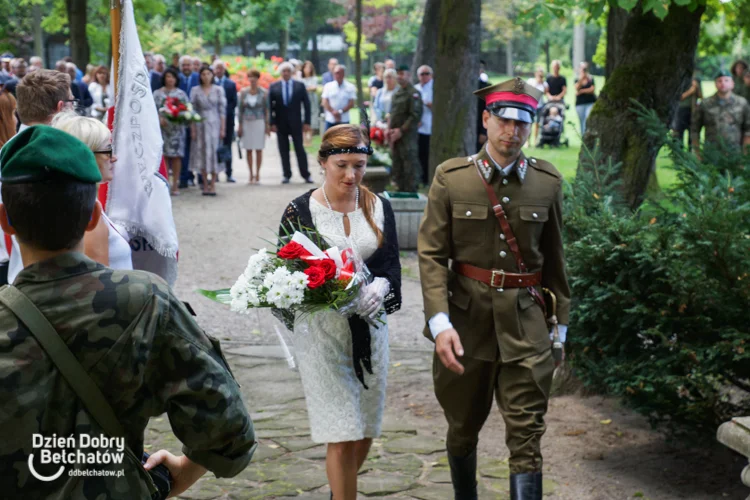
[364,122]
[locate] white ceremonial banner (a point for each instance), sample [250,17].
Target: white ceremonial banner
[138,199]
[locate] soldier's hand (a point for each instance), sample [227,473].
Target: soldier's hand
[448,346]
[184,471]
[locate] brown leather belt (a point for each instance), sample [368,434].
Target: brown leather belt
[497,278]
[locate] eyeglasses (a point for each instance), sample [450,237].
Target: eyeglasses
[74,102]
[425,74]
[107,152]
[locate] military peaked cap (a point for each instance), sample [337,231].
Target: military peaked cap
[513,99]
[40,153]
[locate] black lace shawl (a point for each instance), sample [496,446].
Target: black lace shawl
[384,263]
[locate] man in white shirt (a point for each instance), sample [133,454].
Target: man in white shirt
[425,126]
[39,97]
[338,98]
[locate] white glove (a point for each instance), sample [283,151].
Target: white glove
[372,296]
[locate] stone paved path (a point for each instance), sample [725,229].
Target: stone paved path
[584,459]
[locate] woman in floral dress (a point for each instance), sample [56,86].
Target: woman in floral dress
[209,101]
[173,134]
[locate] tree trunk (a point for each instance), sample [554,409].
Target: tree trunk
[617,19]
[358,53]
[456,69]
[579,45]
[650,71]
[428,38]
[36,12]
[315,55]
[217,45]
[509,58]
[284,40]
[547,58]
[79,44]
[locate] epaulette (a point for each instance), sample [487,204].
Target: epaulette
[455,163]
[544,166]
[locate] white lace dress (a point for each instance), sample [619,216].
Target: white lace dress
[339,407]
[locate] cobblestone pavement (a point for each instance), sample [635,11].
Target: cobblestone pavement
[584,459]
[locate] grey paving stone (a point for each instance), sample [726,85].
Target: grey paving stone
[379,484]
[318,453]
[439,475]
[433,492]
[421,445]
[266,451]
[294,445]
[203,490]
[409,465]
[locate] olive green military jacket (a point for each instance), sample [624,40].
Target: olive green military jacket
[406,110]
[726,120]
[142,348]
[460,225]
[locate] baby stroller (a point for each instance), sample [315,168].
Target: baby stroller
[551,129]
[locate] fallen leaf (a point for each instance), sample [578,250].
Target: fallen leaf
[273,446]
[606,422]
[576,432]
[652,221]
[396,365]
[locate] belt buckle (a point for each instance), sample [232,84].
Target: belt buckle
[502,281]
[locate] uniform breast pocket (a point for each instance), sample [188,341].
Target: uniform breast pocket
[469,222]
[533,218]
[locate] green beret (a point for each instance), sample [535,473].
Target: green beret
[403,67]
[41,152]
[723,72]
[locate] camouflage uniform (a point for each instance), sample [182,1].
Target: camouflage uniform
[406,111]
[725,120]
[142,348]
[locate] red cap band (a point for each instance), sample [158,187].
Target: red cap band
[511,96]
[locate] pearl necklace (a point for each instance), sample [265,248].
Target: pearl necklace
[325,196]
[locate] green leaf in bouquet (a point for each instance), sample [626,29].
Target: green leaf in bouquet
[221,296]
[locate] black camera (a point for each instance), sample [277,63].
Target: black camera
[162,479]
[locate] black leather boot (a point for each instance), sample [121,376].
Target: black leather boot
[526,486]
[464,476]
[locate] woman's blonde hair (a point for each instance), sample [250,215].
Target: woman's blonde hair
[351,136]
[92,132]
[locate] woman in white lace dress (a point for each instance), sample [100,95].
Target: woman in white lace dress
[344,362]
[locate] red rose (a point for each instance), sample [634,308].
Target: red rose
[291,250]
[316,277]
[327,265]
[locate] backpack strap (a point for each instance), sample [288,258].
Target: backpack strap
[70,368]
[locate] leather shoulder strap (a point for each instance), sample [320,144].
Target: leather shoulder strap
[80,381]
[510,237]
[502,219]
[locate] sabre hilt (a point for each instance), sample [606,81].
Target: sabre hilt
[557,345]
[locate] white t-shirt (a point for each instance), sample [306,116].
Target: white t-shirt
[338,97]
[541,87]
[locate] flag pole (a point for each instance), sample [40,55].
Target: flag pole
[114,16]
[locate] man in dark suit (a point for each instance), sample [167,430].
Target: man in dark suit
[79,89]
[19,71]
[160,64]
[287,97]
[230,89]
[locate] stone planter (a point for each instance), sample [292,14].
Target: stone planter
[376,178]
[408,209]
[735,434]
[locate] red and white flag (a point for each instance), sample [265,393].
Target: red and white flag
[138,198]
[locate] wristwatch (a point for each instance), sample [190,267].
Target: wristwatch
[341,112]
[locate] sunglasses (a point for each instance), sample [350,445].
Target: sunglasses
[107,152]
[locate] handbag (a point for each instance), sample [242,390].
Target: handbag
[158,480]
[224,153]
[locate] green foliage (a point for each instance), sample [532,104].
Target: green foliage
[661,295]
[350,31]
[402,39]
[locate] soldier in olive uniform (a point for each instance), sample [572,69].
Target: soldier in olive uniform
[725,117]
[406,111]
[126,329]
[482,287]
